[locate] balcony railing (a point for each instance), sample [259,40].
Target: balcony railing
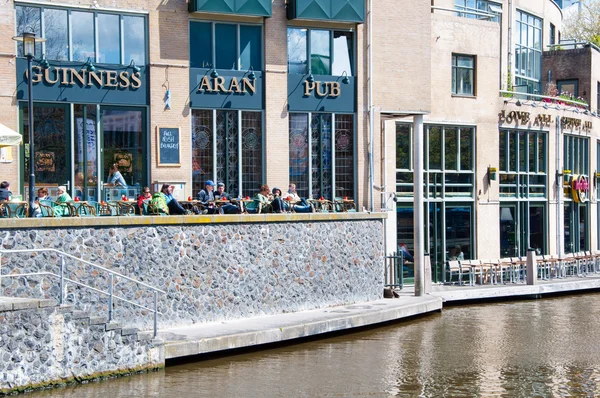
[549,102]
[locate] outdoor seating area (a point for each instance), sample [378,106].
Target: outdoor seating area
[77,208]
[514,269]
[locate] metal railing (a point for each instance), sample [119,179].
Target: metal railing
[62,279]
[394,270]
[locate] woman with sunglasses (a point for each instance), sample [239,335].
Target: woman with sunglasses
[145,195]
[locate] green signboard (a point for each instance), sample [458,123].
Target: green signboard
[226,89]
[75,82]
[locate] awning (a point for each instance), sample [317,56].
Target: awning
[9,137]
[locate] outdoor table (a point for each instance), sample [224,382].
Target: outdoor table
[346,204]
[290,204]
[108,208]
[322,205]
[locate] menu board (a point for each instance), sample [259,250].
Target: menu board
[168,146]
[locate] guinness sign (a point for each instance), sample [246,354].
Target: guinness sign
[83,78]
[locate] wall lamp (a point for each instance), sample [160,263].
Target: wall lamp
[89,65]
[251,74]
[310,77]
[214,74]
[492,173]
[596,179]
[133,66]
[345,80]
[44,62]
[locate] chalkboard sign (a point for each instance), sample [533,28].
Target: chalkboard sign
[168,146]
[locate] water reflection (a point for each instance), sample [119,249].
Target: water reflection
[537,348]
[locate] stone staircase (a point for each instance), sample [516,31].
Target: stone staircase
[44,344]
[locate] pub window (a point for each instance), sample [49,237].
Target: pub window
[102,37]
[570,87]
[320,51]
[463,74]
[225,46]
[227,146]
[322,154]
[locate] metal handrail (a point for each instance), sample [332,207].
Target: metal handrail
[111,274]
[541,97]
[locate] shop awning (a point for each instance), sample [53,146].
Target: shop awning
[9,137]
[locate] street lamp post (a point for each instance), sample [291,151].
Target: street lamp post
[29,41]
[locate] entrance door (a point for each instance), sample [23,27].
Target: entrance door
[52,157]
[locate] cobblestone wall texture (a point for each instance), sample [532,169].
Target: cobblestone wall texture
[211,272]
[48,346]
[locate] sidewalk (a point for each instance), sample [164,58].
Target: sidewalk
[213,337]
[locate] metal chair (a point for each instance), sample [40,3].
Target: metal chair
[453,267]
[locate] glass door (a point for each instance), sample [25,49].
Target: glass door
[52,157]
[437,253]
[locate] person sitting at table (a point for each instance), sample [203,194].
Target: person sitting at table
[115,178]
[227,208]
[206,197]
[42,195]
[172,203]
[301,205]
[261,200]
[145,196]
[63,197]
[5,192]
[277,203]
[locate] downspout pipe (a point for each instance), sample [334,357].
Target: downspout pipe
[371,115]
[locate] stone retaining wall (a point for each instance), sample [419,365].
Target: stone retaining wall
[47,346]
[211,272]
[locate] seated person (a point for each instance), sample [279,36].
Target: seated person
[63,197]
[115,178]
[5,192]
[42,195]
[172,203]
[144,196]
[302,206]
[228,208]
[261,199]
[159,203]
[277,202]
[207,198]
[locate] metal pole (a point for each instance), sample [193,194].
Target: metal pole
[31,147]
[62,280]
[418,218]
[110,298]
[155,312]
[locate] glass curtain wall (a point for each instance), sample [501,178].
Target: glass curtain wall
[222,145]
[523,192]
[322,159]
[449,175]
[576,157]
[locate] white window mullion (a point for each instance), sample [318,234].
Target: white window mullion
[122,40]
[96,41]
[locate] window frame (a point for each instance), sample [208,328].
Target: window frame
[95,15]
[213,40]
[308,49]
[456,68]
[574,82]
[533,54]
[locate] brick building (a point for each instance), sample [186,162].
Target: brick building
[321,93]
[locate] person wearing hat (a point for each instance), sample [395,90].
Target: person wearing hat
[227,208]
[277,203]
[206,197]
[63,197]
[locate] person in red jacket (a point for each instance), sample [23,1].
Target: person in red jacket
[145,195]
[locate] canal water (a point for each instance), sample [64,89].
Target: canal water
[537,348]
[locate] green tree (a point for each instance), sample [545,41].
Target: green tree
[583,24]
